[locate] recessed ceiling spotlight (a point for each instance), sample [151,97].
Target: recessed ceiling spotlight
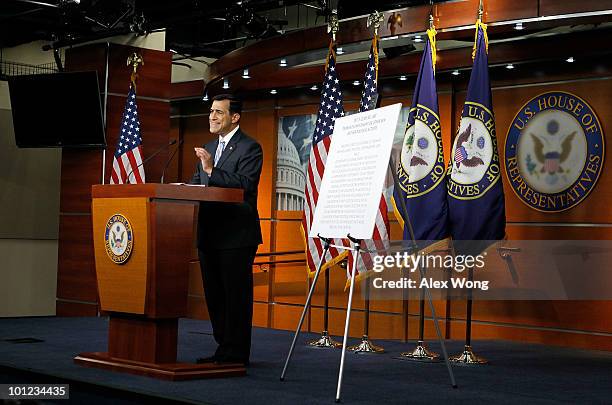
[403,77]
[340,51]
[455,72]
[245,74]
[519,26]
[314,87]
[225,83]
[283,62]
[570,59]
[356,83]
[509,66]
[205,98]
[273,91]
[417,38]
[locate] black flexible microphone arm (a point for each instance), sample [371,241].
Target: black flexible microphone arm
[172,142]
[170,160]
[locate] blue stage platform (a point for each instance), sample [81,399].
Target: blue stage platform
[42,350]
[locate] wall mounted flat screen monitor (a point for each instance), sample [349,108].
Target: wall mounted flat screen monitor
[57,110]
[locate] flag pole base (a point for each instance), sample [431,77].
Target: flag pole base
[421,353]
[366,346]
[468,357]
[325,342]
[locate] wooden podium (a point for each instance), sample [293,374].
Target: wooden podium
[143,238]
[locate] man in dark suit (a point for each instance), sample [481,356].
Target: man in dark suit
[228,233]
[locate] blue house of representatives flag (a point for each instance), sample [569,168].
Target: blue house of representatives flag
[475,193]
[421,169]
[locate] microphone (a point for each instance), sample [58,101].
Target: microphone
[170,160]
[172,142]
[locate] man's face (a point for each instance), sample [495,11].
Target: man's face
[220,119]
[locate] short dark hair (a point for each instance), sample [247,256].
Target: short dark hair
[235,106]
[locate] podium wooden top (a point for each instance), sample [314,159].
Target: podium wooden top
[167,191]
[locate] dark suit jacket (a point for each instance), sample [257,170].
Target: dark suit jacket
[231,225]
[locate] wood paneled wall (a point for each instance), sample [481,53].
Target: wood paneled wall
[281,289]
[76,281]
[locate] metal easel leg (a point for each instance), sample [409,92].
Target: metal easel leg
[348,315]
[327,243]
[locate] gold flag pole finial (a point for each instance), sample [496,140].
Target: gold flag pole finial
[333,25]
[480,10]
[431,21]
[134,59]
[375,19]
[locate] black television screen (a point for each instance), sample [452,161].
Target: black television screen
[57,110]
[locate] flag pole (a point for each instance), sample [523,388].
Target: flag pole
[325,341]
[421,352]
[414,248]
[468,356]
[366,346]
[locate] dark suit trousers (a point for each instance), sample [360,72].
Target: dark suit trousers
[228,285]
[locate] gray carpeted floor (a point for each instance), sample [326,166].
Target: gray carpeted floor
[518,373]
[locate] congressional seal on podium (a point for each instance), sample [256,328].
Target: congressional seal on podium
[554,151]
[118,238]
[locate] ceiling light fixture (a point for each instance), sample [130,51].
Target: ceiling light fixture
[570,59]
[205,98]
[283,62]
[403,77]
[417,38]
[455,72]
[245,74]
[509,66]
[356,83]
[519,26]
[226,84]
[340,51]
[273,91]
[314,87]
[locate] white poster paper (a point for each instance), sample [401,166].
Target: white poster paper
[355,170]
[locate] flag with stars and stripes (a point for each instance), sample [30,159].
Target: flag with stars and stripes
[330,108]
[380,237]
[127,162]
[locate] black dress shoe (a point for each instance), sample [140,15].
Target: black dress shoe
[209,359]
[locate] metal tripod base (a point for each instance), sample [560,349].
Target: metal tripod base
[325,342]
[468,357]
[421,353]
[366,346]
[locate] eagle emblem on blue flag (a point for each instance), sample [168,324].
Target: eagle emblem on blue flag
[421,165]
[474,166]
[118,238]
[554,151]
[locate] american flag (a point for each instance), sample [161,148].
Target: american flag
[330,108]
[127,163]
[369,100]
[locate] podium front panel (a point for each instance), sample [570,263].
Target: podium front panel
[121,244]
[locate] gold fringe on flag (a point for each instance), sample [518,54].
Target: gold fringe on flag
[431,34]
[480,24]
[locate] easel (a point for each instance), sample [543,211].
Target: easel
[356,249]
